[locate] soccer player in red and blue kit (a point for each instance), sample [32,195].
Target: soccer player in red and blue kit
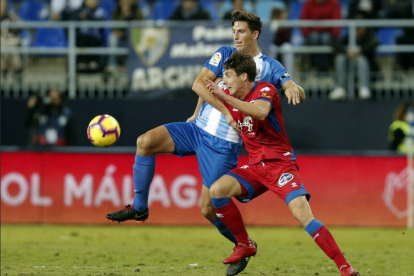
[256,107]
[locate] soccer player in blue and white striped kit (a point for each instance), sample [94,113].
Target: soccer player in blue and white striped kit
[210,135]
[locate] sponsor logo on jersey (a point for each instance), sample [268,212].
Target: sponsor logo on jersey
[284,179]
[294,185]
[215,59]
[220,215]
[264,95]
[265,89]
[244,167]
[286,154]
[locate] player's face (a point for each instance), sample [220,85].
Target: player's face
[243,37]
[233,82]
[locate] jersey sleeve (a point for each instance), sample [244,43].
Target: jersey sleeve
[280,75]
[267,93]
[216,62]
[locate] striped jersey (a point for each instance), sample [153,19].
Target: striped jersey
[210,119]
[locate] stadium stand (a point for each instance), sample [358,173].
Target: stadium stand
[35,10]
[38,10]
[264,8]
[164,9]
[388,36]
[50,37]
[108,6]
[212,8]
[227,6]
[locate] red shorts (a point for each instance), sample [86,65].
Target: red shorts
[281,177]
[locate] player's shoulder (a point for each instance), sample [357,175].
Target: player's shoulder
[270,60]
[219,56]
[263,86]
[226,50]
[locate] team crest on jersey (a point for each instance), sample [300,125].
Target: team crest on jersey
[215,59]
[248,123]
[150,43]
[284,179]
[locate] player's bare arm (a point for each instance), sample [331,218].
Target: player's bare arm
[200,104]
[258,110]
[294,92]
[199,86]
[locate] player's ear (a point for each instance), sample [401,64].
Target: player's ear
[244,76]
[256,35]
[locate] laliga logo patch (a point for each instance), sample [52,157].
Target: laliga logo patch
[215,60]
[284,179]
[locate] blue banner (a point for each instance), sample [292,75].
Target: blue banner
[170,57]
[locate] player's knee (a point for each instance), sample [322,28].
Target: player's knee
[144,143]
[302,216]
[216,191]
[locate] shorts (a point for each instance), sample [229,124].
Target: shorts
[215,156]
[279,176]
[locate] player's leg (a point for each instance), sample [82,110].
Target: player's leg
[301,210]
[221,192]
[209,213]
[215,157]
[157,140]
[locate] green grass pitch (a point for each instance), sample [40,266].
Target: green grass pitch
[138,249]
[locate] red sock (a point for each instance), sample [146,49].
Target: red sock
[327,243]
[231,217]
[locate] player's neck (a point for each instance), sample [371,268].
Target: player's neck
[252,51]
[249,86]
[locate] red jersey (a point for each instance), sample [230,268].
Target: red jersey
[265,139]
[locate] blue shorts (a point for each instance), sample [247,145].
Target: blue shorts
[215,156]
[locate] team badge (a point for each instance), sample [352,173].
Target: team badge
[150,43]
[215,59]
[284,179]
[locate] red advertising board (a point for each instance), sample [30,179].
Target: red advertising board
[80,188]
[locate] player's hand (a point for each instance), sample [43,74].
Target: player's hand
[293,95]
[215,89]
[192,118]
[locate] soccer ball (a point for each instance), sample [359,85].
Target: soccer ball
[103,131]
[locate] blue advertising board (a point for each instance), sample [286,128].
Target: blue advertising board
[169,57]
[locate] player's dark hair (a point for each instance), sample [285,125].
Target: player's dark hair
[253,21]
[241,63]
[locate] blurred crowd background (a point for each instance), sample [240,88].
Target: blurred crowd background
[365,64]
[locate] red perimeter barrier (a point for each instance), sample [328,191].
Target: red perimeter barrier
[81,188]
